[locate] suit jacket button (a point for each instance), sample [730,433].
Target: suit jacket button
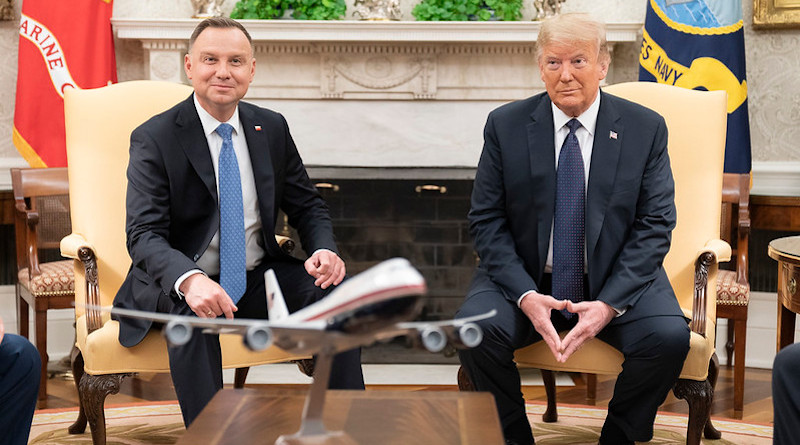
[196,257]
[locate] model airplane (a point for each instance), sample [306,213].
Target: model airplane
[371,306]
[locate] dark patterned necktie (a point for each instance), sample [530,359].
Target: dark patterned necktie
[232,267]
[568,229]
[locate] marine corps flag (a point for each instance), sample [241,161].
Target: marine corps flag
[699,44]
[62,44]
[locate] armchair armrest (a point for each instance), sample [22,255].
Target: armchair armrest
[72,244]
[29,219]
[285,243]
[712,253]
[76,247]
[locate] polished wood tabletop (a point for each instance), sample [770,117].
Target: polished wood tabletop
[248,416]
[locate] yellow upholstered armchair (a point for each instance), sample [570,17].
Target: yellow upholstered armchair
[99,123]
[696,122]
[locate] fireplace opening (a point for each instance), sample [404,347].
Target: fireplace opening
[424,221]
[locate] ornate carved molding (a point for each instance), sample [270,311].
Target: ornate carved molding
[93,318]
[701,269]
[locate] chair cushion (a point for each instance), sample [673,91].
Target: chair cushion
[731,292]
[598,357]
[103,354]
[56,279]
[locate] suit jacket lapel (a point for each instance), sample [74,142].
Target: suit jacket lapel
[541,143]
[603,169]
[195,145]
[256,133]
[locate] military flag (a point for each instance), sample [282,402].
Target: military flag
[62,44]
[699,44]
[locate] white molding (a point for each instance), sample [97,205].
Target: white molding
[776,178]
[361,31]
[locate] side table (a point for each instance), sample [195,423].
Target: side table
[786,251]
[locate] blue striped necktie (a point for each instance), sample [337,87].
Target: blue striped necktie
[568,226]
[232,268]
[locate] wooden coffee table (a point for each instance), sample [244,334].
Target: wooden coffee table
[250,416]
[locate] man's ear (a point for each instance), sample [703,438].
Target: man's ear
[187,66]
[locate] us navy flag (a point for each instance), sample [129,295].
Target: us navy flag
[699,44]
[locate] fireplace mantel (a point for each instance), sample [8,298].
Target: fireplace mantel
[362,31]
[376,94]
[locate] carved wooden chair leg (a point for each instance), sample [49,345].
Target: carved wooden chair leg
[464,383]
[239,377]
[549,379]
[699,396]
[591,389]
[306,366]
[93,392]
[77,373]
[713,372]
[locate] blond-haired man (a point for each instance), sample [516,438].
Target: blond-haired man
[572,210]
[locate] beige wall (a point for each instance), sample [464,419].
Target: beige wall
[773,63]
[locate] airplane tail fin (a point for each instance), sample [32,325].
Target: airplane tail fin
[276,305]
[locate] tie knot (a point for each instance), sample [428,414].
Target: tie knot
[225,130]
[573,125]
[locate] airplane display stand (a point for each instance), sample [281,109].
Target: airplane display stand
[312,429]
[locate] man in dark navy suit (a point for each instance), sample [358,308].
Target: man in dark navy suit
[20,367]
[209,155]
[572,212]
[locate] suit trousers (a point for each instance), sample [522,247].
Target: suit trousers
[20,367]
[654,349]
[196,367]
[786,395]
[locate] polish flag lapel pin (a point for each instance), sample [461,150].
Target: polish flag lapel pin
[612,134]
[258,128]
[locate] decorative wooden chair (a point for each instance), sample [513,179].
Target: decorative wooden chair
[41,219]
[696,121]
[733,288]
[98,124]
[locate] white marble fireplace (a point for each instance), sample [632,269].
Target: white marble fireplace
[400,96]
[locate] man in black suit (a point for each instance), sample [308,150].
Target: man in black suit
[209,155]
[577,246]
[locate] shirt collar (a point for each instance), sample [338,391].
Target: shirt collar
[210,123]
[588,119]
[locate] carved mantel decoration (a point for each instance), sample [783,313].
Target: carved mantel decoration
[204,9]
[377,9]
[381,60]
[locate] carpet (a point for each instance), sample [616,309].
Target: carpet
[160,423]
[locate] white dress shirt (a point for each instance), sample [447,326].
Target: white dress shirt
[209,261]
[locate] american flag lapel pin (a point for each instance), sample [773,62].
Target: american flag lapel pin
[612,134]
[258,127]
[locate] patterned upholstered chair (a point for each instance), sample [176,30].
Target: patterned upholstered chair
[41,220]
[696,121]
[733,288]
[99,123]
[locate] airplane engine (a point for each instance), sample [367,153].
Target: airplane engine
[467,336]
[433,338]
[177,333]
[257,338]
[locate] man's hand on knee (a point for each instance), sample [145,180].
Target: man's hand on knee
[537,308]
[326,267]
[206,297]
